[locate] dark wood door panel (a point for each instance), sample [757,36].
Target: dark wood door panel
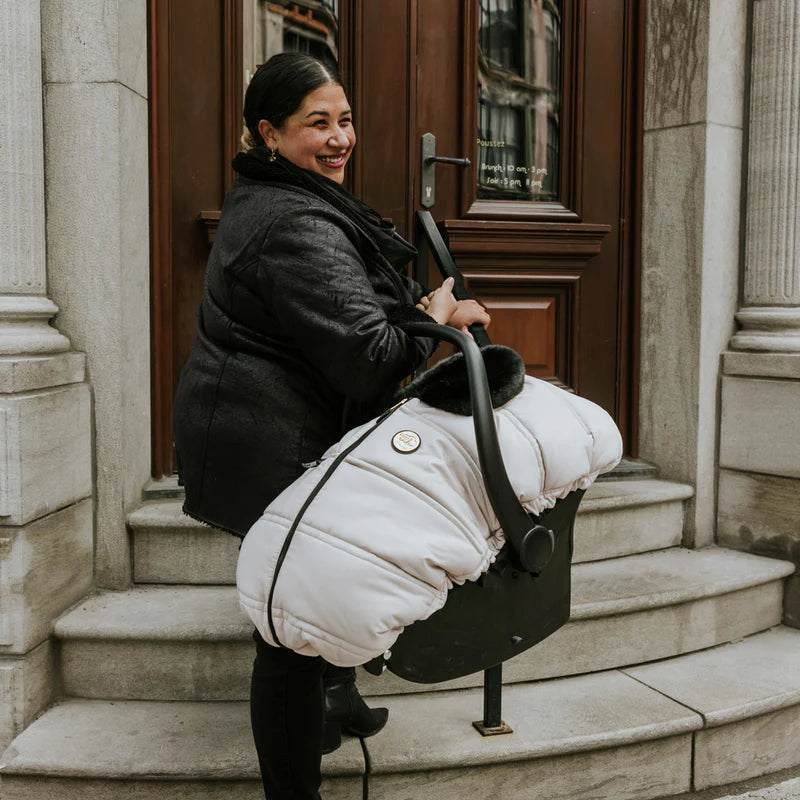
[527,264]
[532,321]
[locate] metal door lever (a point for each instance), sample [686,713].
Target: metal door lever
[459,162]
[429,161]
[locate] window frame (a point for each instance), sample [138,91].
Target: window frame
[568,207]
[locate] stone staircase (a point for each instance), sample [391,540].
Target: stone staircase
[672,675]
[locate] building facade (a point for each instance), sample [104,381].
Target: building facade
[630,217]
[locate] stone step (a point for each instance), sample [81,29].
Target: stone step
[193,642]
[105,750]
[616,518]
[748,694]
[652,731]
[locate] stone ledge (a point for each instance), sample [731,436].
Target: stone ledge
[642,771]
[29,373]
[626,517]
[761,365]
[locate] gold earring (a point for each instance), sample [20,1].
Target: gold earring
[273,155]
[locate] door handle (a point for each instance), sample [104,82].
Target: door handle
[429,162]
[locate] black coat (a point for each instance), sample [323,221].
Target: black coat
[295,344]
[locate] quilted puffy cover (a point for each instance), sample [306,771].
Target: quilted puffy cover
[390,532]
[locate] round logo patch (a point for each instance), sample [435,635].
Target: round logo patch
[406,441]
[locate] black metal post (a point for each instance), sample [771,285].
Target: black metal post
[492,723]
[493,696]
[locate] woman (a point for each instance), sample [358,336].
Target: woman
[297,341]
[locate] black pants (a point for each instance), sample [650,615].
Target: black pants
[286,713]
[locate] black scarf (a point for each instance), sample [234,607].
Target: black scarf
[256,165]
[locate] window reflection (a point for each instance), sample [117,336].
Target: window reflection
[519,99]
[279,26]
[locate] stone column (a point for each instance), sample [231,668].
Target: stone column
[24,308]
[45,425]
[770,317]
[98,259]
[759,480]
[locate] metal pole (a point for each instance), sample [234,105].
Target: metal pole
[492,723]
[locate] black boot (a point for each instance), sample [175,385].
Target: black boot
[345,710]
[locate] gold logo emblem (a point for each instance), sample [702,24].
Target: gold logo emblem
[406,441]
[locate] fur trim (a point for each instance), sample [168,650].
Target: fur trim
[445,384]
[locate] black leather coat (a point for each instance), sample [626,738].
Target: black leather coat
[295,344]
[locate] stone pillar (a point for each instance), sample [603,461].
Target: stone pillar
[693,121]
[45,425]
[770,317]
[759,484]
[24,309]
[98,240]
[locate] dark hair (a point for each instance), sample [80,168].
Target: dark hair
[279,87]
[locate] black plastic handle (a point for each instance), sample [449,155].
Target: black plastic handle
[429,240]
[533,544]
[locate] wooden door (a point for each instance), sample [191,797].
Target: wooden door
[544,223]
[544,98]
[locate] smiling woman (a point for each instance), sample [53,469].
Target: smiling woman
[297,341]
[319,136]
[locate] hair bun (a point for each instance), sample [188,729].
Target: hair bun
[248,141]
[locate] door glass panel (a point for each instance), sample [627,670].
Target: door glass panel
[278,26]
[519,99]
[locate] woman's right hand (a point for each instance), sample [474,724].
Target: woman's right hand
[441,304]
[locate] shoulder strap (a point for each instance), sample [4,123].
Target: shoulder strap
[314,492]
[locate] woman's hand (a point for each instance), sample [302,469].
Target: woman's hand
[467,313]
[446,310]
[440,303]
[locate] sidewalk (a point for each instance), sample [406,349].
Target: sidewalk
[789,790]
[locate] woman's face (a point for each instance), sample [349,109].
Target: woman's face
[319,136]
